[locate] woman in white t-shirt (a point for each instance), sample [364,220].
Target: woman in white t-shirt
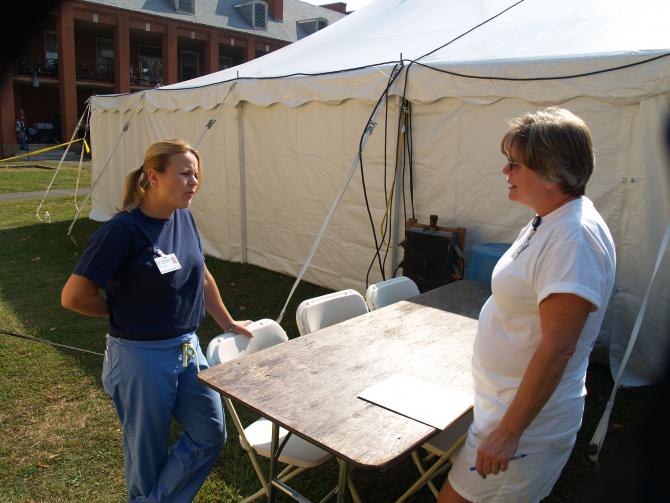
[549,295]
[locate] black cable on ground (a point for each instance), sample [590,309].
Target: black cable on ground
[51,343]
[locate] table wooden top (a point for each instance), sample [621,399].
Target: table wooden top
[309,385]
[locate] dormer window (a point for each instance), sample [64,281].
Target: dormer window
[184,6]
[254,12]
[309,26]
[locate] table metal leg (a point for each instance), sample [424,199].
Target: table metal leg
[342,480]
[274,455]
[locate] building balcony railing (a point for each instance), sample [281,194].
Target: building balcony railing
[98,71]
[150,77]
[95,71]
[38,67]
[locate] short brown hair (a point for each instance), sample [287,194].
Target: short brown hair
[556,144]
[155,158]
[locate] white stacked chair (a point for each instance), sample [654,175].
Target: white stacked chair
[390,291]
[326,310]
[256,439]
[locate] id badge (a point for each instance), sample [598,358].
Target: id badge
[167,263]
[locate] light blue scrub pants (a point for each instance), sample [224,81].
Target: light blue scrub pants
[148,385]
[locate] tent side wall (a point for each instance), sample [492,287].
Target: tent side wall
[217,207]
[645,211]
[296,159]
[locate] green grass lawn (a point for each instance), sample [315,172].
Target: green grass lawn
[59,436]
[28,178]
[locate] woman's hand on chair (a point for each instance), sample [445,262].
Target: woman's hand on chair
[240,327]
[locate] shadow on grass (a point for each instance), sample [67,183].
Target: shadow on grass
[37,260]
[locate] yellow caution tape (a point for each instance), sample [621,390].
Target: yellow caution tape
[88,149]
[35,152]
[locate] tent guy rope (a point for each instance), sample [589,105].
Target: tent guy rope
[60,164]
[601,430]
[125,128]
[369,128]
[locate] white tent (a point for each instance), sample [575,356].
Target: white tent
[288,127]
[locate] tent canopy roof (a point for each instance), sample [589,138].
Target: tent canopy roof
[487,39]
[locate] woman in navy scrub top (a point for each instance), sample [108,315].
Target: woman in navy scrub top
[148,258]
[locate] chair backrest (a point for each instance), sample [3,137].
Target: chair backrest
[228,346]
[390,291]
[321,312]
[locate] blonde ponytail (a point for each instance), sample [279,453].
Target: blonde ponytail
[134,190]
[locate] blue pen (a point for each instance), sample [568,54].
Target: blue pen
[516,456]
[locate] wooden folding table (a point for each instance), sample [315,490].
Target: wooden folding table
[310,385]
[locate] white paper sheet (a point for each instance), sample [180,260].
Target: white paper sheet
[422,401]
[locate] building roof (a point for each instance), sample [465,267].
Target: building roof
[222,14]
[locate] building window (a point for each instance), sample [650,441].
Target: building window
[104,57]
[150,70]
[51,49]
[184,6]
[190,61]
[309,26]
[225,62]
[254,12]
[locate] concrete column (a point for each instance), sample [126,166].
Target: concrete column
[212,53]
[7,116]
[170,55]
[251,49]
[67,81]
[122,54]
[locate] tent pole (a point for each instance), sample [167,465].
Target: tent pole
[243,191]
[397,226]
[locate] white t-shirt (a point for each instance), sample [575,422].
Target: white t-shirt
[570,252]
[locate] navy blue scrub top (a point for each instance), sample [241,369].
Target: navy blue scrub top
[145,304]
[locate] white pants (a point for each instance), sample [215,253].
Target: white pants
[527,480]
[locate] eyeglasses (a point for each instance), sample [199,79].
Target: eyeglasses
[512,163]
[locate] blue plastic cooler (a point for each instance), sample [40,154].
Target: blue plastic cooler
[483,259]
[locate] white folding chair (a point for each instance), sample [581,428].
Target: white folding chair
[442,446]
[390,291]
[326,310]
[256,439]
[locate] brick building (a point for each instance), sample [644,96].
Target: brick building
[88,47]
